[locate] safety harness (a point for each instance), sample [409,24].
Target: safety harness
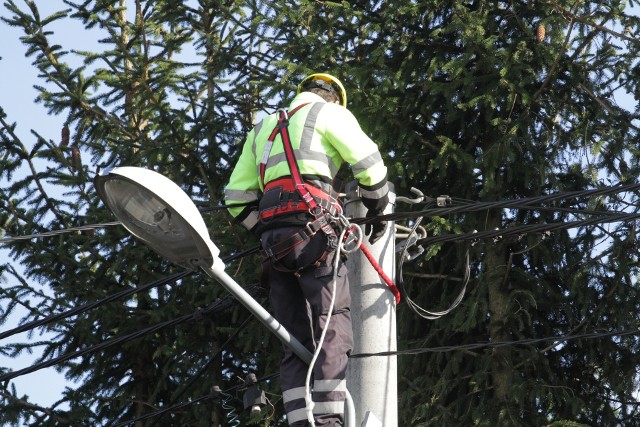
[291,195]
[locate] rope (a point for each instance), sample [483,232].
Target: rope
[307,383]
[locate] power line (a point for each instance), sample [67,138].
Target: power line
[529,202]
[172,408]
[531,228]
[212,395]
[218,305]
[462,206]
[122,294]
[207,365]
[497,344]
[12,239]
[521,203]
[440,349]
[466,207]
[86,307]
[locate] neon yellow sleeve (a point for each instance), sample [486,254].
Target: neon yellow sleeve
[244,186]
[354,146]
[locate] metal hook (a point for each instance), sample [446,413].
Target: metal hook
[418,199]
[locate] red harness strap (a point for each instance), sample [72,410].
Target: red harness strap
[313,200]
[281,128]
[288,200]
[300,186]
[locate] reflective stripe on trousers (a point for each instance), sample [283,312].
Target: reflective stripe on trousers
[321,407]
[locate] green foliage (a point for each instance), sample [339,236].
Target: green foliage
[463,99]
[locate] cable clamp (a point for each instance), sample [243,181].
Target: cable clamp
[215,392]
[474,241]
[442,201]
[411,251]
[284,115]
[497,238]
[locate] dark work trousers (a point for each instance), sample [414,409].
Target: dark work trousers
[300,303]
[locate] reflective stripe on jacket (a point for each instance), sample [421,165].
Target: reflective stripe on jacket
[323,136]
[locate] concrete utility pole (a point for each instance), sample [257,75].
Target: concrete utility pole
[373,381]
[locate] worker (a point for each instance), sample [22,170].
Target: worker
[282,189]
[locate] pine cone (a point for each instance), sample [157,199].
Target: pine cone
[540,33]
[65,136]
[75,158]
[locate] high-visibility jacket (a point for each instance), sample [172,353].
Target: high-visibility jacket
[323,136]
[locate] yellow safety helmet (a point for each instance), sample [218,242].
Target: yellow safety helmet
[326,82]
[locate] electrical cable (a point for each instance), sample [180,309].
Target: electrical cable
[57,232]
[86,307]
[531,228]
[474,236]
[430,315]
[222,303]
[499,344]
[122,294]
[173,408]
[466,207]
[162,411]
[207,365]
[440,349]
[522,203]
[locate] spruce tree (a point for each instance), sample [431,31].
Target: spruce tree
[168,88]
[478,100]
[486,101]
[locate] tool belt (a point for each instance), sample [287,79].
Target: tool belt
[280,197]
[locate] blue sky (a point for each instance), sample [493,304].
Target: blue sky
[17,96]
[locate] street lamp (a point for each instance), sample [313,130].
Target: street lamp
[144,203]
[156,210]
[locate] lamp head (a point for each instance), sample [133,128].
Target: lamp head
[156,210]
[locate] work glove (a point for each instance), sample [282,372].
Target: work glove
[375,230]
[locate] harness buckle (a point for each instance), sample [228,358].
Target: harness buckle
[268,252]
[316,211]
[284,114]
[310,230]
